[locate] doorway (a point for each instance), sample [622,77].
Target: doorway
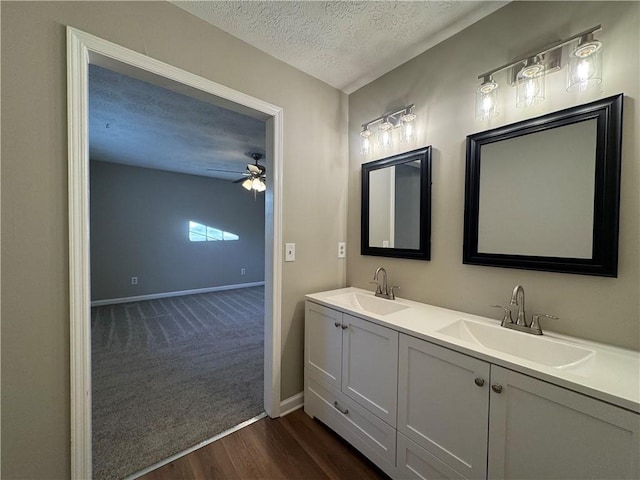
[84,49]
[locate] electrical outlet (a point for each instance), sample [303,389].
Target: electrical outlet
[289,252]
[342,249]
[134,280]
[243,271]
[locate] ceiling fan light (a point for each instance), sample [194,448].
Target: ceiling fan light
[248,183]
[258,185]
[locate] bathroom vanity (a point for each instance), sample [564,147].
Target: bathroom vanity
[426,392]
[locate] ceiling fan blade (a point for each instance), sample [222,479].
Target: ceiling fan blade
[224,171]
[240,180]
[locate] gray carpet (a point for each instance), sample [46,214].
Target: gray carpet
[170,373]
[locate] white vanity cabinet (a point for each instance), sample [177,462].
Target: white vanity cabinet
[450,403]
[351,373]
[420,410]
[542,431]
[443,402]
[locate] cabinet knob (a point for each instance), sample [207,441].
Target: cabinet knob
[344,327]
[479,382]
[496,388]
[344,411]
[337,324]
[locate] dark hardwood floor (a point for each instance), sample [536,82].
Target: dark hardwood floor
[291,447]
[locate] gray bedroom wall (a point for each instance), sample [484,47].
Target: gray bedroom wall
[140,227]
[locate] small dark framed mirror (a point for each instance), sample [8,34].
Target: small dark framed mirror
[396,206]
[544,194]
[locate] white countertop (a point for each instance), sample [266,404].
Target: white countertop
[612,375]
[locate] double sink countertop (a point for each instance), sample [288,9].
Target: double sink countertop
[605,372]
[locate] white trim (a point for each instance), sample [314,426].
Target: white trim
[292,404]
[82,49]
[204,443]
[179,293]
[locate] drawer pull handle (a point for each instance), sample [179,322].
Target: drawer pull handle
[479,382]
[496,388]
[337,324]
[343,411]
[344,327]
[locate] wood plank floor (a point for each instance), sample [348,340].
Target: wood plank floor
[291,447]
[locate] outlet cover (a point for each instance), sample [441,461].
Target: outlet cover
[243,271]
[134,280]
[342,249]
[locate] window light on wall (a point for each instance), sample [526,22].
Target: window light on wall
[527,73]
[203,233]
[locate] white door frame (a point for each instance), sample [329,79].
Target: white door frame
[83,49]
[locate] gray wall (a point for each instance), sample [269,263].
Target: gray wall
[442,83]
[35,278]
[139,227]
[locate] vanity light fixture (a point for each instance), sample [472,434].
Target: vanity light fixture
[403,118]
[528,73]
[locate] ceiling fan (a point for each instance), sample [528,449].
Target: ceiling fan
[254,177]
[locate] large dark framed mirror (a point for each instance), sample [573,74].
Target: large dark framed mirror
[396,206]
[544,193]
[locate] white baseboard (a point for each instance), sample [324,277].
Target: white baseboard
[291,404]
[154,296]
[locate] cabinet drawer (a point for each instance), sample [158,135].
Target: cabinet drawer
[415,462]
[372,436]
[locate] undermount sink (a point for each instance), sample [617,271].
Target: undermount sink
[369,303]
[526,346]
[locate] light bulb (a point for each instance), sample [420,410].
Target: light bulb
[408,130]
[384,133]
[585,65]
[365,144]
[530,83]
[486,99]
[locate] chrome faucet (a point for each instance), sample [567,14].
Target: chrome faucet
[517,298]
[382,289]
[521,324]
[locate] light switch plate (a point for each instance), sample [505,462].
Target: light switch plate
[289,252]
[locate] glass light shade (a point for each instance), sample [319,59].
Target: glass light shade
[248,183]
[585,66]
[530,84]
[365,141]
[256,184]
[384,134]
[408,132]
[486,100]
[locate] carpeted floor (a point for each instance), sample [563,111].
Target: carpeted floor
[170,373]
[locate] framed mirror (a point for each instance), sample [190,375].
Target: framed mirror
[544,193]
[396,206]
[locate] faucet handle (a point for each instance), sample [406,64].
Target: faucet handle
[507,315]
[535,322]
[392,293]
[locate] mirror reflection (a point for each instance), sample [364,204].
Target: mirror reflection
[536,193]
[396,205]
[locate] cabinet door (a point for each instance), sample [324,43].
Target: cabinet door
[441,407]
[541,431]
[370,366]
[323,344]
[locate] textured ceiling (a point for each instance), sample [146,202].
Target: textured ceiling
[136,123]
[346,44]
